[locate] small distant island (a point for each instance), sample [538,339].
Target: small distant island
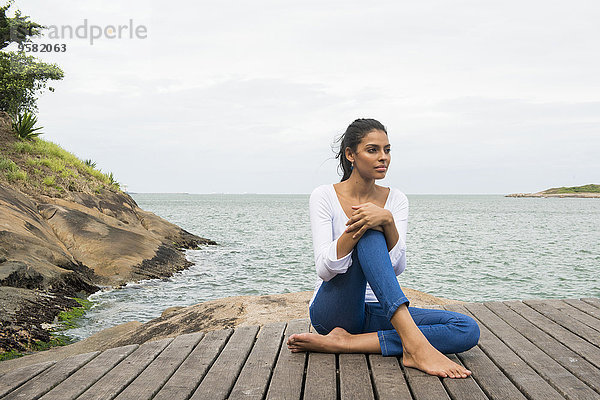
[588,191]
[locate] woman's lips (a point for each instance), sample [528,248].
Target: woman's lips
[381,168]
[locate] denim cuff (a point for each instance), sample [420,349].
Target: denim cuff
[383,344]
[392,309]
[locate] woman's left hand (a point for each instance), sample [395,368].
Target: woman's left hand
[368,216]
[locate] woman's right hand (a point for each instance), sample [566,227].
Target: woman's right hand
[368,216]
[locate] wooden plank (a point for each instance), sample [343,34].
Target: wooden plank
[579,345]
[288,375]
[256,373]
[462,388]
[488,376]
[119,377]
[566,357]
[424,386]
[149,382]
[578,328]
[355,382]
[321,377]
[15,378]
[222,375]
[554,373]
[388,380]
[191,372]
[585,307]
[533,386]
[44,382]
[592,300]
[576,313]
[87,375]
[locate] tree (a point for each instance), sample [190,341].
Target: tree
[22,77]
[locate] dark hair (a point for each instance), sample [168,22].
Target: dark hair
[355,132]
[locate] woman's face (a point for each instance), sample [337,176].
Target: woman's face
[372,157]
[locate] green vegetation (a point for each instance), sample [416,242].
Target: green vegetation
[33,164]
[23,126]
[55,341]
[39,164]
[9,355]
[22,77]
[11,171]
[113,181]
[591,188]
[68,319]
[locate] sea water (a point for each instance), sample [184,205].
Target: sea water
[464,247]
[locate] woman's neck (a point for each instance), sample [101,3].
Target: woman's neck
[359,188]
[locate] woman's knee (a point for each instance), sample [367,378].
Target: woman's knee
[369,239]
[469,333]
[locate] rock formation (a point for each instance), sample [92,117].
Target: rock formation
[55,248]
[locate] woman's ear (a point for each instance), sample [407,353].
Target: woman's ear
[349,155]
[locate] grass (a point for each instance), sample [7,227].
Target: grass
[49,181]
[10,170]
[43,166]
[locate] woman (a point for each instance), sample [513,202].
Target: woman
[359,236]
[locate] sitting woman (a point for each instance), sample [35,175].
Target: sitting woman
[359,240]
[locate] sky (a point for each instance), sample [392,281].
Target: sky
[478,97]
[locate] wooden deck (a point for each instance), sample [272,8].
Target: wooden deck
[534,349]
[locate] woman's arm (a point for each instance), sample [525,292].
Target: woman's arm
[327,262]
[370,216]
[392,223]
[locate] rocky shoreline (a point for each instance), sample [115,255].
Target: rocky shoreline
[228,312]
[65,232]
[53,250]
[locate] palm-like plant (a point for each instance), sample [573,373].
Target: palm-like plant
[23,126]
[113,181]
[90,163]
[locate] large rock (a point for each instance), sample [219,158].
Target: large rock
[70,246]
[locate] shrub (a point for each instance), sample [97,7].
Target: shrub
[23,126]
[112,180]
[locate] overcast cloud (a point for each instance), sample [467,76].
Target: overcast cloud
[234,97]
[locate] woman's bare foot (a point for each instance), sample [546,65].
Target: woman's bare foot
[335,341]
[429,360]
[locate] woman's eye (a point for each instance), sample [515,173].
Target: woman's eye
[387,150]
[371,150]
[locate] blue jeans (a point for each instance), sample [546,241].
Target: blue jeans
[340,302]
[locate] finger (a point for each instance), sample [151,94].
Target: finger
[360,206]
[352,228]
[355,225]
[360,232]
[352,219]
[356,212]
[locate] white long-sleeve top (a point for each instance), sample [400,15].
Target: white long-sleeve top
[328,223]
